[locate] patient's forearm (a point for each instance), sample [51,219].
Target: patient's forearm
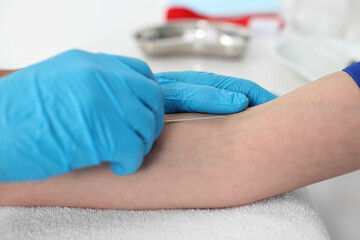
[306,136]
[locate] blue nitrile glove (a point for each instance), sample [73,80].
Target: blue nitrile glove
[191,91]
[75,110]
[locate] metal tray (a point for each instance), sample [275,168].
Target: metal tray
[195,38]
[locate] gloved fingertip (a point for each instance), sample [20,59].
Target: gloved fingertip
[119,169]
[159,128]
[235,102]
[205,99]
[264,97]
[148,145]
[239,98]
[273,96]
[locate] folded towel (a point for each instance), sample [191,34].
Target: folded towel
[287,216]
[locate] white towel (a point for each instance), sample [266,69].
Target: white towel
[287,216]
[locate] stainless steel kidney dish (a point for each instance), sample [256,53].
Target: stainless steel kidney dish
[195,38]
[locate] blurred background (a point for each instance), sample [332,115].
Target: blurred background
[280,44]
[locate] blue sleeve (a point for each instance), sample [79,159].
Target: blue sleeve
[354,72]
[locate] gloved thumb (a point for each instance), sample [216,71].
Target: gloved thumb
[185,97]
[120,169]
[127,164]
[127,158]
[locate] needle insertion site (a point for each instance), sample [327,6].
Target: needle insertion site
[193,119]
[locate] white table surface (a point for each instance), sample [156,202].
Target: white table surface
[31,31]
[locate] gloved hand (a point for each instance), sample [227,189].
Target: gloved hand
[191,91]
[75,110]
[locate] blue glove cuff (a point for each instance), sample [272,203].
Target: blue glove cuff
[354,72]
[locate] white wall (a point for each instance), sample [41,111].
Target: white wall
[34,30]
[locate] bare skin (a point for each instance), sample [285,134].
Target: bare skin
[5,72]
[301,138]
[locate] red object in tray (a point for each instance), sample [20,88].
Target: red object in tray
[180,13]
